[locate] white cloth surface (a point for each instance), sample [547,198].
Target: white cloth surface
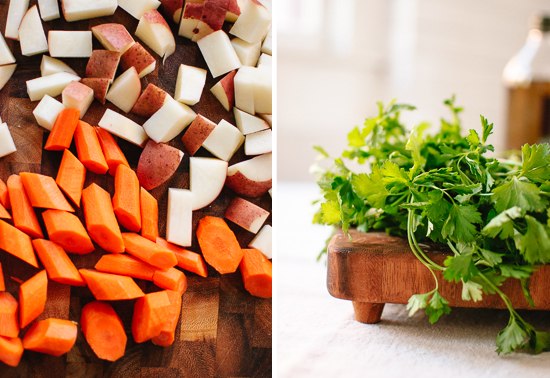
[318,336]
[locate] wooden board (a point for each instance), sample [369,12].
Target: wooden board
[223,330]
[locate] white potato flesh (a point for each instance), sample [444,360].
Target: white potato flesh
[257,169]
[138,7]
[207,177]
[268,118]
[49,66]
[179,224]
[6,141]
[267,44]
[5,74]
[6,57]
[156,34]
[263,241]
[46,112]
[75,10]
[70,44]
[219,54]
[169,121]
[253,23]
[224,140]
[189,84]
[244,88]
[31,34]
[258,143]
[51,85]
[248,123]
[123,127]
[16,11]
[265,60]
[248,53]
[263,90]
[77,96]
[49,10]
[125,90]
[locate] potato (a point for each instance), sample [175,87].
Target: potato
[138,57]
[99,85]
[198,131]
[157,164]
[150,101]
[103,64]
[113,37]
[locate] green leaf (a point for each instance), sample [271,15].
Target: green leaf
[460,267]
[540,341]
[502,224]
[417,302]
[492,258]
[518,193]
[516,271]
[487,129]
[494,278]
[371,187]
[459,226]
[535,244]
[393,174]
[330,212]
[510,338]
[526,291]
[354,138]
[398,107]
[535,162]
[437,307]
[321,150]
[471,291]
[414,143]
[473,139]
[438,207]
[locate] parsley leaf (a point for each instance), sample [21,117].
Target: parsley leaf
[502,224]
[460,267]
[535,244]
[519,193]
[437,307]
[511,337]
[471,291]
[416,302]
[459,225]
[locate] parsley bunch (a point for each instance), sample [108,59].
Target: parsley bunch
[493,214]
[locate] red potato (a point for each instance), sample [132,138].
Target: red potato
[150,101]
[103,64]
[233,11]
[99,85]
[113,37]
[224,90]
[192,13]
[247,215]
[157,164]
[155,32]
[172,8]
[139,58]
[196,134]
[77,96]
[212,19]
[250,178]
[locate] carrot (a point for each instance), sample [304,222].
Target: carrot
[146,250]
[71,176]
[58,265]
[63,129]
[24,217]
[126,201]
[17,243]
[219,245]
[32,298]
[66,230]
[103,330]
[9,322]
[2,283]
[256,271]
[110,287]
[88,148]
[187,260]
[112,152]
[171,279]
[43,192]
[4,213]
[150,313]
[167,334]
[100,219]
[149,216]
[11,350]
[51,336]
[126,265]
[4,196]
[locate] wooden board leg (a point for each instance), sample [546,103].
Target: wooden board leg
[366,312]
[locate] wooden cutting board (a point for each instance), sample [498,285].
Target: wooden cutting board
[223,331]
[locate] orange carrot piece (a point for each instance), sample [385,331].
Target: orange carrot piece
[149,216]
[63,129]
[167,334]
[126,265]
[219,245]
[191,261]
[150,313]
[103,330]
[88,148]
[170,279]
[2,283]
[24,217]
[43,192]
[146,250]
[4,213]
[32,298]
[4,195]
[9,322]
[71,176]
[112,152]
[110,287]
[67,230]
[101,220]
[58,265]
[51,336]
[256,271]
[126,201]
[11,350]
[17,243]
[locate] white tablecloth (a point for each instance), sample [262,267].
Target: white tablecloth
[318,336]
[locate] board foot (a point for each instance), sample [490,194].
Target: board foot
[369,313]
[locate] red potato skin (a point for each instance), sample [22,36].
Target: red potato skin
[77,90]
[154,17]
[196,133]
[137,57]
[243,212]
[213,15]
[99,85]
[157,164]
[228,85]
[116,34]
[242,185]
[171,8]
[103,64]
[193,11]
[150,101]
[234,8]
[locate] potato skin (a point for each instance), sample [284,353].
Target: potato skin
[157,164]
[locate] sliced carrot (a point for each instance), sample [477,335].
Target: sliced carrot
[17,243]
[43,192]
[167,334]
[126,199]
[51,336]
[63,129]
[67,230]
[24,217]
[100,219]
[4,196]
[2,283]
[256,271]
[11,350]
[88,148]
[4,213]
[112,152]
[9,321]
[191,261]
[149,216]
[103,330]
[219,245]
[110,287]
[171,279]
[126,265]
[150,313]
[32,298]
[146,250]
[58,265]
[71,176]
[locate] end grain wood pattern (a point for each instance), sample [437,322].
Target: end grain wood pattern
[375,269]
[223,331]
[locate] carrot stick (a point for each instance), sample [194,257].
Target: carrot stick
[112,152]
[51,336]
[167,334]
[9,322]
[149,216]
[219,245]
[88,148]
[191,261]
[2,283]
[32,298]
[103,330]
[24,217]
[4,213]
[150,313]
[59,266]
[171,279]
[71,177]
[110,287]
[256,271]
[66,230]
[146,250]
[43,192]
[63,129]
[11,350]
[100,219]
[4,196]
[17,243]
[126,201]
[126,265]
